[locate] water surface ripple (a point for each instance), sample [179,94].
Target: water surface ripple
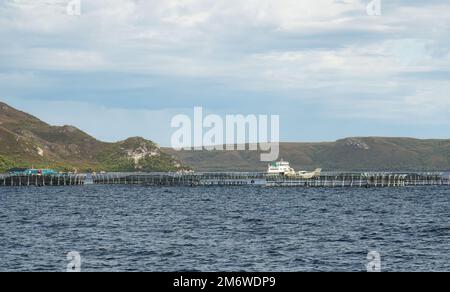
[136,228]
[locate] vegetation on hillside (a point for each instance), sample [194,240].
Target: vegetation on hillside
[27,142]
[5,164]
[350,154]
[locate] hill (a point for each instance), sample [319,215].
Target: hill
[357,154]
[26,141]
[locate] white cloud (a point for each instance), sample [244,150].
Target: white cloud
[331,49]
[56,59]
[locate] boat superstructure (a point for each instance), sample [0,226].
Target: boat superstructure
[284,168]
[280,168]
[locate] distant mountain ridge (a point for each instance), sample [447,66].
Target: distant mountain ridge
[26,141]
[350,154]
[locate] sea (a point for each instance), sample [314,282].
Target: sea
[224,229]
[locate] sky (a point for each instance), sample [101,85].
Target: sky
[329,69]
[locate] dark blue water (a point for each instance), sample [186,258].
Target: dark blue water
[134,228]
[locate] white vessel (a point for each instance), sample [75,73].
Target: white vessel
[280,168]
[284,168]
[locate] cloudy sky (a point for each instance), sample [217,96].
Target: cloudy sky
[126,67]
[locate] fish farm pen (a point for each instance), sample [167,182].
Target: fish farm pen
[263,179]
[231,179]
[42,180]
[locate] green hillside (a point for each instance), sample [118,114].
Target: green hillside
[25,141]
[369,153]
